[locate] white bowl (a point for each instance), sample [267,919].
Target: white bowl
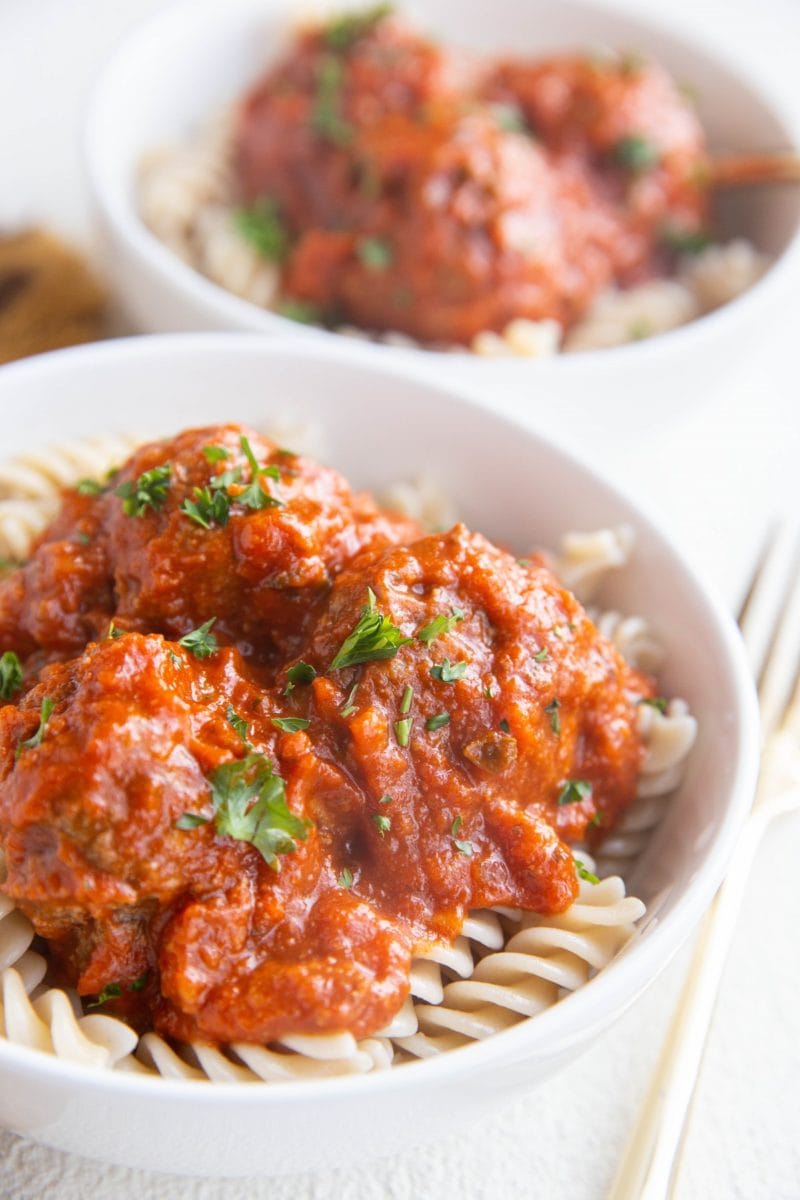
[180,69]
[380,425]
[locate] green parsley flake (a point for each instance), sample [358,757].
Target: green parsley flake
[374,637]
[374,253]
[189,820]
[434,723]
[447,672]
[201,642]
[301,672]
[89,487]
[510,118]
[215,454]
[208,507]
[110,992]
[327,120]
[149,491]
[657,702]
[382,824]
[262,228]
[685,241]
[440,625]
[387,799]
[290,724]
[583,873]
[255,496]
[114,633]
[36,740]
[345,880]
[349,707]
[406,702]
[250,806]
[555,719]
[636,154]
[573,791]
[542,656]
[300,310]
[237,723]
[402,730]
[504,725]
[465,848]
[10,675]
[487,691]
[341,33]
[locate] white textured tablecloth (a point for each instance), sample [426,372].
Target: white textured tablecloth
[714,477]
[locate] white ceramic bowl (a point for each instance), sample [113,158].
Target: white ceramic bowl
[180,69]
[381,425]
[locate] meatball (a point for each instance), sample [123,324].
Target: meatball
[628,123]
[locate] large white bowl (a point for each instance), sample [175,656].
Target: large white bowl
[180,69]
[380,425]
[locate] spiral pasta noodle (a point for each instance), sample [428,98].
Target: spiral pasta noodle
[504,967]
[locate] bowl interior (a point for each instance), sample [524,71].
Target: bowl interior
[180,69]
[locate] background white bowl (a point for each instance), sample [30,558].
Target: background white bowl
[381,425]
[181,68]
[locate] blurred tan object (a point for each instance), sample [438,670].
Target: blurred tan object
[48,296]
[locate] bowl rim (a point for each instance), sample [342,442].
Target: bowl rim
[120,212]
[608,994]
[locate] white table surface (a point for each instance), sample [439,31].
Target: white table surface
[715,477]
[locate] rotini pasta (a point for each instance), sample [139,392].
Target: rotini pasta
[504,967]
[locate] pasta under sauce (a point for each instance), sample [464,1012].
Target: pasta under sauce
[238,832]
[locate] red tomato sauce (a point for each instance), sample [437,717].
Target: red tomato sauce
[252,835]
[439,196]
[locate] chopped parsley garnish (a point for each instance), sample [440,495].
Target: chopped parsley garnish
[374,637]
[349,707]
[201,642]
[685,241]
[301,672]
[326,115]
[261,226]
[542,656]
[10,675]
[387,799]
[36,739]
[345,880]
[250,805]
[573,791]
[440,625]
[552,711]
[487,691]
[434,723]
[89,487]
[237,724]
[504,725]
[82,538]
[374,253]
[215,454]
[300,310]
[657,702]
[114,632]
[138,984]
[290,724]
[402,730]
[510,118]
[636,154]
[189,820]
[208,507]
[447,672]
[174,658]
[382,824]
[465,848]
[110,992]
[255,495]
[583,873]
[343,32]
[407,700]
[149,491]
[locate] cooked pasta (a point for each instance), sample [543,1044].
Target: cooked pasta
[504,967]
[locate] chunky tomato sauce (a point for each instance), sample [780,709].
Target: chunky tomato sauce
[420,191]
[239,831]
